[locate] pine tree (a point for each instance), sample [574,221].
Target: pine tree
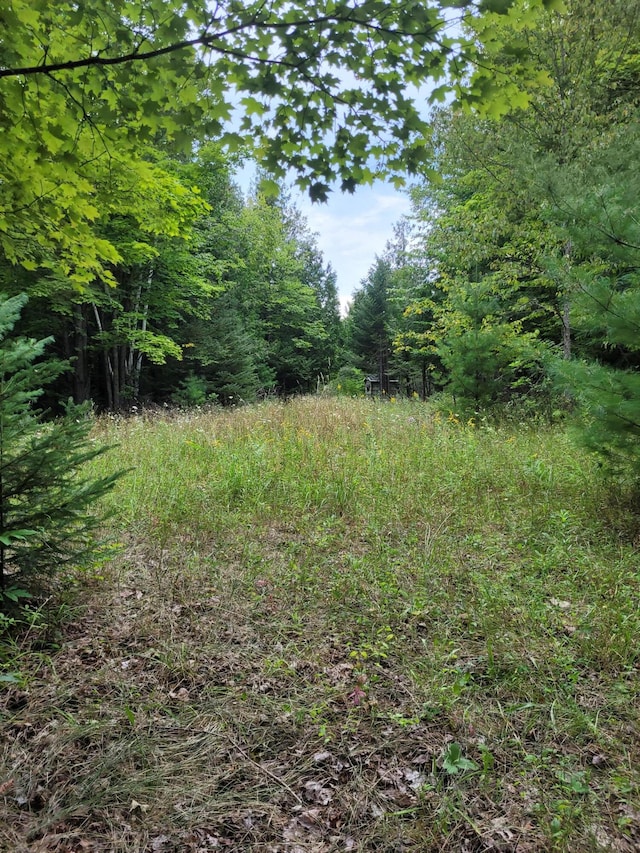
[370,324]
[46,516]
[603,277]
[228,356]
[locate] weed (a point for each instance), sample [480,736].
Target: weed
[337,623]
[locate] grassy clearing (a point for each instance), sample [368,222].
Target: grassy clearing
[338,625]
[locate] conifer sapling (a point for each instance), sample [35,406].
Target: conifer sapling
[46,498]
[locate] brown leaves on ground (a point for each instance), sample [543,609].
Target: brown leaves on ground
[185,715]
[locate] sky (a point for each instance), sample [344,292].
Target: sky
[352,229]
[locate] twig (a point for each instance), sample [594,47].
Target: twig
[264,770]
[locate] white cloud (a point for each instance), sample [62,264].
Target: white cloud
[353,229]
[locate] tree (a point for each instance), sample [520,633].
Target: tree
[486,358]
[272,319]
[320,88]
[598,211]
[498,231]
[226,356]
[281,307]
[370,323]
[579,151]
[110,329]
[158,280]
[46,501]
[488,300]
[219,359]
[322,281]
[415,357]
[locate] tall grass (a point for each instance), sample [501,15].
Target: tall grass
[344,624]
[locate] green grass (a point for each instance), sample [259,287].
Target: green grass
[339,625]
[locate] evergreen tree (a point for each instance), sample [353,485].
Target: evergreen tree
[486,357]
[46,516]
[370,323]
[228,355]
[604,235]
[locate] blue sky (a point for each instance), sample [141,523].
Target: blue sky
[352,229]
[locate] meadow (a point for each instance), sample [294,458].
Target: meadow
[336,625]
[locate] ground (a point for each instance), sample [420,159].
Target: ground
[335,625]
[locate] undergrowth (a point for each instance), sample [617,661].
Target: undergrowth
[337,625]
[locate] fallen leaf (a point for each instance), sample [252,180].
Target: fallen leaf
[402,798]
[182,695]
[310,819]
[339,674]
[322,756]
[299,828]
[6,786]
[136,806]
[315,792]
[415,779]
[500,826]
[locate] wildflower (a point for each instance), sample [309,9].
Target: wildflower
[357,695]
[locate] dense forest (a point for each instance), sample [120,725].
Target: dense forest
[213,298]
[514,279]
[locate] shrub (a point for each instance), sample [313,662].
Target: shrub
[46,500]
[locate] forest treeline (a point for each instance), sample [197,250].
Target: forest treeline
[214,297]
[515,277]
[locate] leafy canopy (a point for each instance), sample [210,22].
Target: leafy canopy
[330,89]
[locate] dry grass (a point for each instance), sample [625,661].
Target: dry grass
[314,604]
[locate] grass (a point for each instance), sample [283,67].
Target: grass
[338,625]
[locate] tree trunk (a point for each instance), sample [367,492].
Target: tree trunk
[132,365]
[81,372]
[566,329]
[116,377]
[107,362]
[137,367]
[383,369]
[566,310]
